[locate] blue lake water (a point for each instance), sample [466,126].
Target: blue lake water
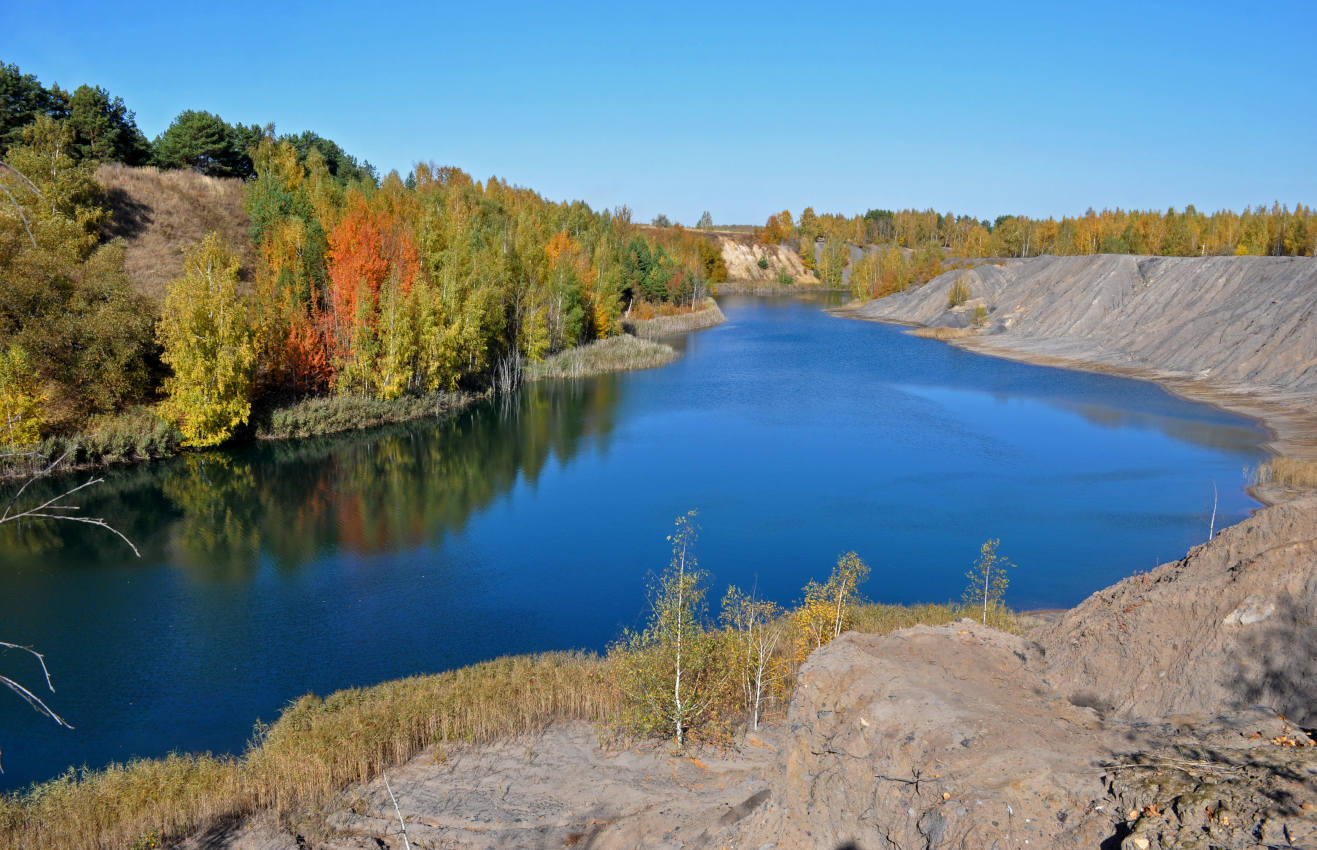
[531,523]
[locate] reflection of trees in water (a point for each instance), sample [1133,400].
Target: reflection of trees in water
[390,488]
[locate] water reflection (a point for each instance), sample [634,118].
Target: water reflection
[219,513]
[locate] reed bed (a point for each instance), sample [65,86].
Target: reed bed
[707,316]
[613,354]
[335,414]
[1291,473]
[317,747]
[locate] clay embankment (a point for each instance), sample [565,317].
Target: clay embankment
[1240,332]
[742,254]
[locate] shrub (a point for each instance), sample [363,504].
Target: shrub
[980,316]
[763,262]
[784,278]
[959,293]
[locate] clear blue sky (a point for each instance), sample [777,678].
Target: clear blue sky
[742,109]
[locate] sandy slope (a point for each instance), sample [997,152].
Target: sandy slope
[1238,331]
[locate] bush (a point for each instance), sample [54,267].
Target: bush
[763,262]
[959,293]
[784,278]
[980,316]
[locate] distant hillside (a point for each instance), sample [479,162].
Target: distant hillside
[160,214]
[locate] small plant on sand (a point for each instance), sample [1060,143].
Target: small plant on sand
[988,580]
[784,278]
[763,262]
[980,316]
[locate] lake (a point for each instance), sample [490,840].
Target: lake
[531,522]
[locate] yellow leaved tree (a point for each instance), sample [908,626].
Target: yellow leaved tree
[207,335]
[21,400]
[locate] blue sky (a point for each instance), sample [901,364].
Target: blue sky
[743,109]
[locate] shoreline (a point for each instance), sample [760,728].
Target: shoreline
[1290,426]
[593,358]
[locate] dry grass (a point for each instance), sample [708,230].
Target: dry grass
[316,748]
[943,333]
[160,214]
[614,354]
[707,316]
[1288,472]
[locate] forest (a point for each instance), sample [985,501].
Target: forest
[909,247]
[364,287]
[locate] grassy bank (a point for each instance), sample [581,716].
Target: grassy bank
[707,316]
[320,746]
[615,354]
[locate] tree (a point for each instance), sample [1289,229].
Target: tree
[104,129]
[706,221]
[207,143]
[661,220]
[988,580]
[832,262]
[66,298]
[22,99]
[757,627]
[206,333]
[669,669]
[21,400]
[825,612]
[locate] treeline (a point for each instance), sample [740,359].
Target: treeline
[1274,231]
[362,288]
[103,129]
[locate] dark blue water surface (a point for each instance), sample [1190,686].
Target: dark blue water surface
[530,523]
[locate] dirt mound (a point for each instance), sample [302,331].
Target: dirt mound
[1234,330]
[950,737]
[161,214]
[1232,624]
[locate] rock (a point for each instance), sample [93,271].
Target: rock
[1232,624]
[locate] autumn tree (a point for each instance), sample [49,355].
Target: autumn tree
[756,626]
[65,296]
[825,611]
[988,579]
[208,341]
[21,400]
[670,669]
